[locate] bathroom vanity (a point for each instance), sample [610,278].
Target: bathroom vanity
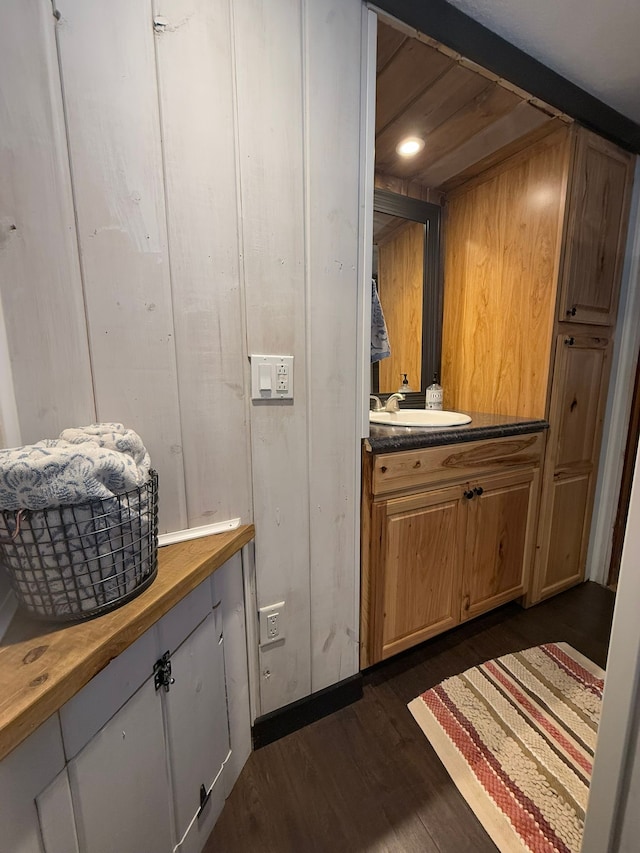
[448,526]
[456,522]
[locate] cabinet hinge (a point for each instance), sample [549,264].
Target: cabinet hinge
[162,673]
[204,797]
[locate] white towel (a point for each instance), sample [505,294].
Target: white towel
[57,472]
[113,437]
[80,558]
[77,557]
[379,338]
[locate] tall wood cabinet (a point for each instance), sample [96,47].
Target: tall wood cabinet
[547,227]
[595,231]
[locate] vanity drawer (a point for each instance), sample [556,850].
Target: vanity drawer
[409,469]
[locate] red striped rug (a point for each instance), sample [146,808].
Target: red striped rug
[517,736]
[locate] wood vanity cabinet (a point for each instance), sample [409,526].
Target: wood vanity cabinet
[534,248]
[448,534]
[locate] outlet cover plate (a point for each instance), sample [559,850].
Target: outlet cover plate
[277,610]
[271,377]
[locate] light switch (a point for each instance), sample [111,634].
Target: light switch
[271,377]
[264,371]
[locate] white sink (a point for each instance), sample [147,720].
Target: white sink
[419,418]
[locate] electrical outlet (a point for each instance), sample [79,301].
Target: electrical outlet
[271,623]
[272,626]
[271,377]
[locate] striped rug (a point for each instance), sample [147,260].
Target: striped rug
[517,736]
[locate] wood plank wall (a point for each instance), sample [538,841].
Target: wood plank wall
[504,227]
[400,285]
[180,188]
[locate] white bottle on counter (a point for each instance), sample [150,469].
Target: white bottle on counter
[433,396]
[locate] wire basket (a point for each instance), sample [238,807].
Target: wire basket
[77,562]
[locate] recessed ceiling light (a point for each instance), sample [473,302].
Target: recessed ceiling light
[410,146]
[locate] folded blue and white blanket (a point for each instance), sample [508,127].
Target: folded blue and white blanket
[78,556]
[98,461]
[113,437]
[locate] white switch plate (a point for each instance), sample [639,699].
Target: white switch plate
[271,377]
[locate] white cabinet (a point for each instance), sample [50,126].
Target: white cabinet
[27,771]
[149,778]
[55,810]
[119,782]
[122,765]
[197,733]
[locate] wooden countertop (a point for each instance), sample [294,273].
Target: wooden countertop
[44,664]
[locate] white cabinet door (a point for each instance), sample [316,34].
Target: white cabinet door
[57,823]
[228,593]
[24,773]
[197,732]
[119,782]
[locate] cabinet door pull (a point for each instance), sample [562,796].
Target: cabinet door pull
[478,490]
[468,494]
[570,341]
[571,312]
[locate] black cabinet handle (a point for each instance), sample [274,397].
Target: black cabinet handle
[570,341]
[478,490]
[468,495]
[571,312]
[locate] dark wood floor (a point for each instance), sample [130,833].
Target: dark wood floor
[366,778]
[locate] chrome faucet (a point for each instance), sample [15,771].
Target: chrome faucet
[377,404]
[392,402]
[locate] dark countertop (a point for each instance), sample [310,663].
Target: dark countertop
[384,439]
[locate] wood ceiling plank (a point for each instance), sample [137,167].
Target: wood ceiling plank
[412,69]
[492,103]
[505,130]
[449,94]
[389,41]
[402,186]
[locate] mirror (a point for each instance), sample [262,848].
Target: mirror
[406,269]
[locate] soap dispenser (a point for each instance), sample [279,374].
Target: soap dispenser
[404,387]
[433,397]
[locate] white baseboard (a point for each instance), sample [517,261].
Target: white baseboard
[196,532]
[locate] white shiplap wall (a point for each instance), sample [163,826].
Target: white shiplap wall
[39,267]
[331,47]
[184,181]
[195,72]
[267,39]
[108,72]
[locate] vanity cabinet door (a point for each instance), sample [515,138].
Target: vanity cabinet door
[500,538]
[578,402]
[596,231]
[24,774]
[565,549]
[577,406]
[416,571]
[119,781]
[197,732]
